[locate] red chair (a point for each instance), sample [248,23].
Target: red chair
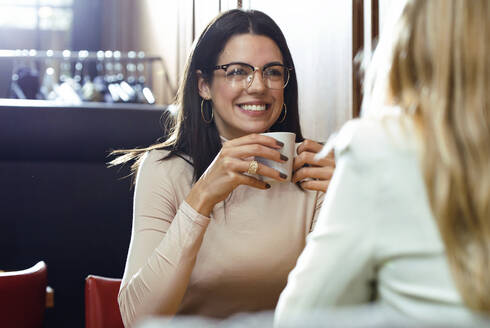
[101,307]
[23,297]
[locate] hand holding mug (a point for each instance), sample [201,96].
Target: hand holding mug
[233,167]
[313,174]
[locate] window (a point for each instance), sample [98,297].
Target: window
[36,14]
[35,22]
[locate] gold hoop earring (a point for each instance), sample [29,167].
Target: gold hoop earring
[202,113]
[285,112]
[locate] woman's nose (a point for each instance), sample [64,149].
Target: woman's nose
[256,83]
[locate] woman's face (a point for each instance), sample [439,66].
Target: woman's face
[240,110]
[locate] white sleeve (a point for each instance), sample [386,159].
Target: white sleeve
[336,267]
[165,240]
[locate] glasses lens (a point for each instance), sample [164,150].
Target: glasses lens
[276,76]
[238,74]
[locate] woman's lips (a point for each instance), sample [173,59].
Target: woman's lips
[253,109]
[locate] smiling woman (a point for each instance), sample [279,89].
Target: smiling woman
[195,197]
[244,103]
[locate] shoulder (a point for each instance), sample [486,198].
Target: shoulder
[376,139]
[158,158]
[156,165]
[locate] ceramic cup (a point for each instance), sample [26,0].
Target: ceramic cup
[288,150]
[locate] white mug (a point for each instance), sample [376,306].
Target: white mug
[288,150]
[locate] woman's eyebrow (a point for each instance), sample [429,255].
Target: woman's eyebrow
[265,66]
[273,63]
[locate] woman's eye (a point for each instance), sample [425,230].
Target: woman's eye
[236,72]
[273,72]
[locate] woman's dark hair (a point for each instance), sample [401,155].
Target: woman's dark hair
[189,135]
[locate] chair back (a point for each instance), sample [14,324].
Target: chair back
[23,297]
[101,307]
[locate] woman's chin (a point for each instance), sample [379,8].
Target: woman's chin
[258,129]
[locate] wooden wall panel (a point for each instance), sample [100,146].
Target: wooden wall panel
[357,47]
[319,37]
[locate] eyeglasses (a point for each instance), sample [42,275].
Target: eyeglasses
[274,75]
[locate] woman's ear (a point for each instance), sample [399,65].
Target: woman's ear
[203,86]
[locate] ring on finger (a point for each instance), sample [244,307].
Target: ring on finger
[253,167]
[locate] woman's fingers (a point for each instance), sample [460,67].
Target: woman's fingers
[248,151]
[316,185]
[321,173]
[313,174]
[254,139]
[236,166]
[233,162]
[310,146]
[252,182]
[309,158]
[307,151]
[265,171]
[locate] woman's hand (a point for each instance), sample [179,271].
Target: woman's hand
[228,168]
[312,174]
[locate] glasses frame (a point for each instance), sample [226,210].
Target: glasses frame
[287,69]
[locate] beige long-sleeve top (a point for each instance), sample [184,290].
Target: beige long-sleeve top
[237,260]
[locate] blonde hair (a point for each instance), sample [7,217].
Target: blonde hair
[436,68]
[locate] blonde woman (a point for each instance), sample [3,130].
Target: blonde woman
[406,221]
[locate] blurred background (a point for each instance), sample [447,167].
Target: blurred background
[88,45]
[81,77]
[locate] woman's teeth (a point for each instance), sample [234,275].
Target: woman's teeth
[255,108]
